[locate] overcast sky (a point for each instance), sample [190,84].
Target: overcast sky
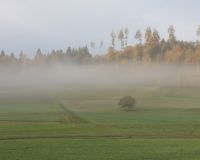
[48,24]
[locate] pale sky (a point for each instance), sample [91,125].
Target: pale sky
[55,24]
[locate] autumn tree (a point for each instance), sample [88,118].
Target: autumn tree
[155,39]
[126,32]
[121,38]
[174,55]
[112,55]
[148,35]
[197,55]
[171,33]
[113,36]
[138,36]
[39,57]
[152,50]
[146,57]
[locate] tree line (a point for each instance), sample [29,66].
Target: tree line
[150,47]
[79,55]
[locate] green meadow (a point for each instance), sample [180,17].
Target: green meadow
[71,125]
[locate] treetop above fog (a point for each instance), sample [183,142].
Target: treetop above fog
[150,47]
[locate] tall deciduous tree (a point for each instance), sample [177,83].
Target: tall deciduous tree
[138,36]
[39,58]
[171,33]
[148,35]
[113,36]
[121,38]
[155,37]
[126,32]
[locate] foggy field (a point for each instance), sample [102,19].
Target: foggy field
[70,110]
[29,108]
[99,80]
[166,120]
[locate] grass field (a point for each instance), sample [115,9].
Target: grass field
[98,149]
[30,112]
[165,125]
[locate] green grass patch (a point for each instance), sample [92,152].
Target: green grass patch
[90,125]
[143,117]
[100,149]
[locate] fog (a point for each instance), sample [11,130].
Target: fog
[100,77]
[82,82]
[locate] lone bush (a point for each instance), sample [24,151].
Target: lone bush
[127,103]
